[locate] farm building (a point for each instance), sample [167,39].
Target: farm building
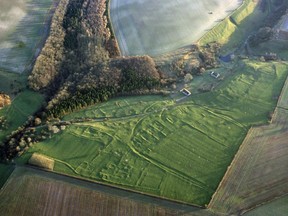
[215,74]
[185,92]
[271,56]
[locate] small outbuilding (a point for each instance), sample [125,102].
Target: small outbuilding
[215,74]
[185,92]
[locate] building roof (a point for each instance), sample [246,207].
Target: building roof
[185,92]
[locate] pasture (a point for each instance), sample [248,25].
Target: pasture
[33,192]
[25,104]
[259,170]
[156,27]
[23,27]
[12,83]
[155,145]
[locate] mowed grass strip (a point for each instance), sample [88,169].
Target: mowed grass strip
[178,151]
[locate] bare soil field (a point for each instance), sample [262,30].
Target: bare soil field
[156,27]
[258,172]
[36,192]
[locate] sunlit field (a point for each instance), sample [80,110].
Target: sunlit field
[156,145]
[155,27]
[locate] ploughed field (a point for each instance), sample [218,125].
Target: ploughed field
[32,192]
[175,150]
[156,27]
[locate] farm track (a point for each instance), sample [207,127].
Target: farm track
[258,172]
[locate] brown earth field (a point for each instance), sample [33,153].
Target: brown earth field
[258,172]
[36,192]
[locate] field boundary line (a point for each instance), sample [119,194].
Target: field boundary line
[229,167]
[106,184]
[279,100]
[111,25]
[8,179]
[264,203]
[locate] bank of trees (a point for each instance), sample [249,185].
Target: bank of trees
[76,68]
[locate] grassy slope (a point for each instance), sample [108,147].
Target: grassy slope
[234,30]
[11,83]
[175,150]
[24,105]
[33,192]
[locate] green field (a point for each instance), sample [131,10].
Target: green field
[235,29]
[12,83]
[157,27]
[155,145]
[21,32]
[24,105]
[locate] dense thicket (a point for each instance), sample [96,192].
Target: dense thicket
[86,73]
[48,63]
[99,83]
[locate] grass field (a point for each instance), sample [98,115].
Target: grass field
[259,171]
[34,193]
[21,31]
[155,27]
[276,207]
[155,145]
[24,105]
[12,83]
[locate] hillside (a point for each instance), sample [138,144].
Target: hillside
[95,117]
